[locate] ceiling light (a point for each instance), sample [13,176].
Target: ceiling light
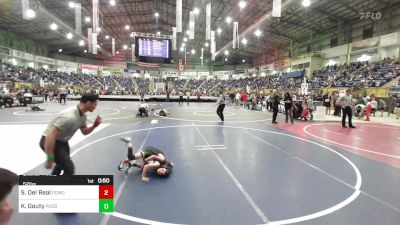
[85,51]
[226,52]
[127,27]
[196,11]
[81,43]
[30,13]
[60,50]
[69,36]
[257,32]
[181,49]
[71,4]
[244,41]
[156,14]
[202,49]
[185,39]
[193,51]
[306,3]
[226,59]
[158,33]
[99,29]
[107,37]
[228,19]
[53,26]
[183,44]
[87,19]
[131,35]
[188,32]
[112,2]
[242,4]
[219,30]
[243,61]
[117,52]
[206,44]
[125,47]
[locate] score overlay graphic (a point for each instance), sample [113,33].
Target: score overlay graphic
[66,194]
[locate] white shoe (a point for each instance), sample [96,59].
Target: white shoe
[126,139]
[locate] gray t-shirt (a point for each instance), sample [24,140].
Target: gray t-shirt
[68,122]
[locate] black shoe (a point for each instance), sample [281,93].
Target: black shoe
[274,122]
[344,126]
[352,126]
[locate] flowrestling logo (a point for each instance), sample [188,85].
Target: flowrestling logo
[370,15]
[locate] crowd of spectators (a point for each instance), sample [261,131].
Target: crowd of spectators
[356,74]
[352,75]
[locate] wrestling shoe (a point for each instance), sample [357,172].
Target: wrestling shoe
[126,139]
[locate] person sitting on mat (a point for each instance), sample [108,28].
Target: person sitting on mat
[153,160]
[143,110]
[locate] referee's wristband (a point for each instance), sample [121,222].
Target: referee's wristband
[50,158]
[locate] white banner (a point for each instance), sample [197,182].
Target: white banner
[212,47]
[22,55]
[191,25]
[4,51]
[188,73]
[67,64]
[202,54]
[133,53]
[94,44]
[160,86]
[90,46]
[276,8]
[78,18]
[25,7]
[222,73]
[208,21]
[390,39]
[113,46]
[170,73]
[178,15]
[45,60]
[174,38]
[95,17]
[203,73]
[235,40]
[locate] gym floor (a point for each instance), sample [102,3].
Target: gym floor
[243,171]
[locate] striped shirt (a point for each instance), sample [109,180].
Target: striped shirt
[346,100]
[221,100]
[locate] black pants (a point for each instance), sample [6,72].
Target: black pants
[289,113]
[180,99]
[275,113]
[337,110]
[220,111]
[347,111]
[63,97]
[61,158]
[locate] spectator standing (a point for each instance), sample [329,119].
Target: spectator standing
[381,106]
[392,104]
[275,107]
[288,107]
[327,103]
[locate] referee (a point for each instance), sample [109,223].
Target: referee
[55,138]
[346,102]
